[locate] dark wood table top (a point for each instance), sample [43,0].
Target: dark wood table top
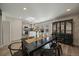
[34,46]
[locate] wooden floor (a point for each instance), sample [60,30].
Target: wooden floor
[67,51]
[4,51]
[70,50]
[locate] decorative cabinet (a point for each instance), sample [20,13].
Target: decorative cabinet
[63,30]
[69,27]
[58,27]
[62,27]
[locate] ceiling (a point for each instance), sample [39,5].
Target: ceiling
[39,12]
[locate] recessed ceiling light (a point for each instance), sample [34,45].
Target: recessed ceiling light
[68,9]
[24,8]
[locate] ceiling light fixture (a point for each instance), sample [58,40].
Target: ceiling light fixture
[24,8]
[30,19]
[68,9]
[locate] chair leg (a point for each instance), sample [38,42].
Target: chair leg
[11,52]
[59,50]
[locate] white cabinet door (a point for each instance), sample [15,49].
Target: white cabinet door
[16,30]
[6,32]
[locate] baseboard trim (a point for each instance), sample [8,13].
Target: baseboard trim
[76,45]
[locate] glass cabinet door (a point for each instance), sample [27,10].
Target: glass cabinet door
[62,27]
[68,27]
[58,27]
[54,27]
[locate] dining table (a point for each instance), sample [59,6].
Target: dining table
[30,45]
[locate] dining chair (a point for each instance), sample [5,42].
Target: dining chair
[52,51]
[15,49]
[55,50]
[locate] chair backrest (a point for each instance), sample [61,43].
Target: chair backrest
[14,47]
